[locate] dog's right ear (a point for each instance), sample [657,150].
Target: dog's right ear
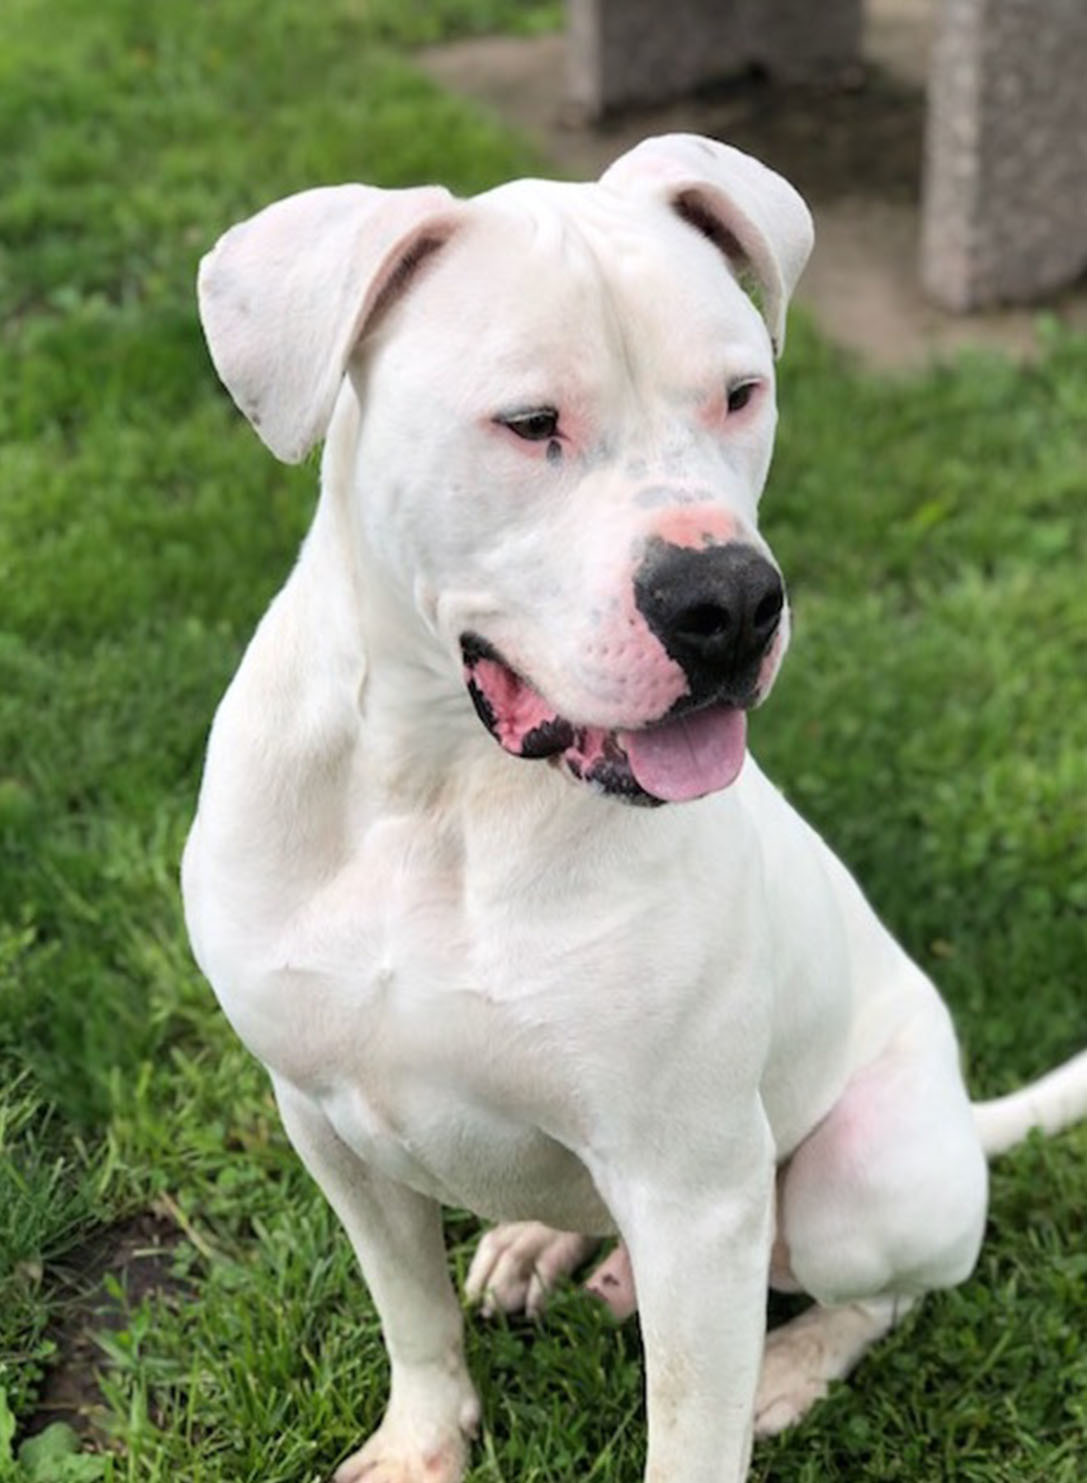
[753,215]
[285,296]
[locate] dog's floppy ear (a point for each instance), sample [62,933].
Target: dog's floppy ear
[285,296]
[755,217]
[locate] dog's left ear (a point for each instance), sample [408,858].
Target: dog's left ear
[286,296]
[753,215]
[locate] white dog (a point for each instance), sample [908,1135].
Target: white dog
[491,981]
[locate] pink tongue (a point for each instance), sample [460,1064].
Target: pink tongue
[690,756]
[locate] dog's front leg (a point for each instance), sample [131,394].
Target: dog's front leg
[397,1237]
[699,1233]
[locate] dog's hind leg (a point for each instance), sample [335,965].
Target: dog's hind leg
[803,1356]
[397,1236]
[825,1342]
[884,1199]
[887,1195]
[518,1264]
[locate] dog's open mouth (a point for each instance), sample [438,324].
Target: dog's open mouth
[671,761]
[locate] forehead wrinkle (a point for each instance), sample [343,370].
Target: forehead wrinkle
[604,244]
[594,235]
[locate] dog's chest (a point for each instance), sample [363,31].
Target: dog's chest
[463,1015]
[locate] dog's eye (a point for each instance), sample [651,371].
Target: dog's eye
[536,425]
[741,394]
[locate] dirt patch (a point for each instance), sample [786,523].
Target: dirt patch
[137,1254]
[860,139]
[855,151]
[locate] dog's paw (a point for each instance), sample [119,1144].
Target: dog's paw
[385,1459]
[794,1376]
[516,1266]
[433,1413]
[820,1345]
[404,1450]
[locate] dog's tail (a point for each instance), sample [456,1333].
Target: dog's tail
[1050,1103]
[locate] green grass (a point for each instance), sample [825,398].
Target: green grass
[931,721]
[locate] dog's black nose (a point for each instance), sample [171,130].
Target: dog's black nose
[715,611]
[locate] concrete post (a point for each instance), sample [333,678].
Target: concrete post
[624,52]
[1004,212]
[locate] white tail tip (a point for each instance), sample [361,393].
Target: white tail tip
[1050,1104]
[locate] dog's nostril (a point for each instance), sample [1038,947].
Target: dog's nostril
[768,610]
[705,620]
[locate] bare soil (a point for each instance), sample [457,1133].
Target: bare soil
[854,149]
[138,1254]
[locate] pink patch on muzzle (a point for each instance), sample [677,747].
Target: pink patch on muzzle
[696,526]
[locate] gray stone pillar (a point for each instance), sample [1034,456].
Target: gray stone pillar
[625,52]
[1005,195]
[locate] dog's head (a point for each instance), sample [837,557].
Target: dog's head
[567,418]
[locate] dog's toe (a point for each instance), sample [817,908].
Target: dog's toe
[376,1465]
[776,1409]
[399,1452]
[613,1283]
[793,1378]
[517,1265]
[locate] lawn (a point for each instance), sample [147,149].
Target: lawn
[931,720]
